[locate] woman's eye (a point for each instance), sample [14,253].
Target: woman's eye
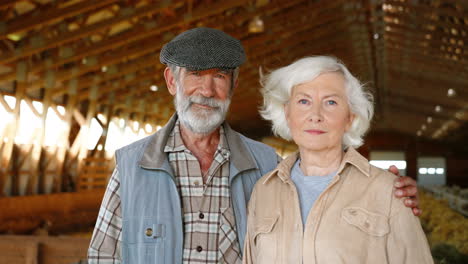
[303,101]
[331,102]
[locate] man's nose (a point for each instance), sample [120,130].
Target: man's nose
[208,86]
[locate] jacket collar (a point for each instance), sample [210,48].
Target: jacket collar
[351,157]
[155,158]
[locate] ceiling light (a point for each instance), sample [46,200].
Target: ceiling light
[438,108]
[451,92]
[104,68]
[419,133]
[423,127]
[376,36]
[429,119]
[153,88]
[256,25]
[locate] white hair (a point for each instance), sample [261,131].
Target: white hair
[278,85]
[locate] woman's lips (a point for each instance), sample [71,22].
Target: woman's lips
[315,131]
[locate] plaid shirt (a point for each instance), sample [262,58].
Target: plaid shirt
[209,228]
[209,224]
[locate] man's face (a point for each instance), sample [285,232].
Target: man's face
[203,98]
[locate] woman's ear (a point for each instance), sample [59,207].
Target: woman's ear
[350,121]
[286,110]
[170,81]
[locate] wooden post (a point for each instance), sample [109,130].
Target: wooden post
[64,146]
[32,252]
[36,182]
[6,154]
[109,113]
[84,131]
[411,156]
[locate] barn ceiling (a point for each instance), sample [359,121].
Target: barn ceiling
[412,54]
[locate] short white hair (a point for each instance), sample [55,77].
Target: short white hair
[278,85]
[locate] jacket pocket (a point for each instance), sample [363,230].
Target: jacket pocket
[265,239]
[144,241]
[371,223]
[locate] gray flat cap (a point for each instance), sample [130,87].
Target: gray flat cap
[203,48]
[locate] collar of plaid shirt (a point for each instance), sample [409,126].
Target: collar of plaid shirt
[240,157]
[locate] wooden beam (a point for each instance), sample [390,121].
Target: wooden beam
[143,31]
[79,117]
[422,9]
[420,66]
[4,4]
[78,34]
[7,151]
[124,69]
[5,104]
[428,52]
[24,213]
[49,16]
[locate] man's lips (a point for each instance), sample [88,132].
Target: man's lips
[315,131]
[202,106]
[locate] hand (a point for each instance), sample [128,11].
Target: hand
[406,187]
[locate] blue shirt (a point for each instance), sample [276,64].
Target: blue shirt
[308,188]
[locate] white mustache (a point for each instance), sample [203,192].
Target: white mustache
[211,102]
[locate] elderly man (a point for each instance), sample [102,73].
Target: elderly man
[181,194]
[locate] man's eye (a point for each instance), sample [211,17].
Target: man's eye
[221,76]
[196,73]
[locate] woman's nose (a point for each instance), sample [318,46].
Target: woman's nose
[315,114]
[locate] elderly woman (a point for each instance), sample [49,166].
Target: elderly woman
[326,203]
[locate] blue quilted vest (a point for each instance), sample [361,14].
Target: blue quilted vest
[151,206]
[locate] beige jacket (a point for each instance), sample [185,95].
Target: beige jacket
[356,219]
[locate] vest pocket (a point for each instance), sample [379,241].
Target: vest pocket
[371,223]
[265,239]
[144,241]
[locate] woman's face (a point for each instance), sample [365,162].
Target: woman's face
[318,113]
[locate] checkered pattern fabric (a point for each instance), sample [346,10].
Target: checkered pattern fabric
[214,233]
[107,236]
[209,223]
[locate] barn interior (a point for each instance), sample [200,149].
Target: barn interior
[82,78]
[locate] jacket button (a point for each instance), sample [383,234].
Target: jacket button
[201,215]
[149,232]
[196,183]
[199,249]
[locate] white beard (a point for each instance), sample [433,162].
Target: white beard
[199,120]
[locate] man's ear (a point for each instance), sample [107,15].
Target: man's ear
[170,81]
[236,83]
